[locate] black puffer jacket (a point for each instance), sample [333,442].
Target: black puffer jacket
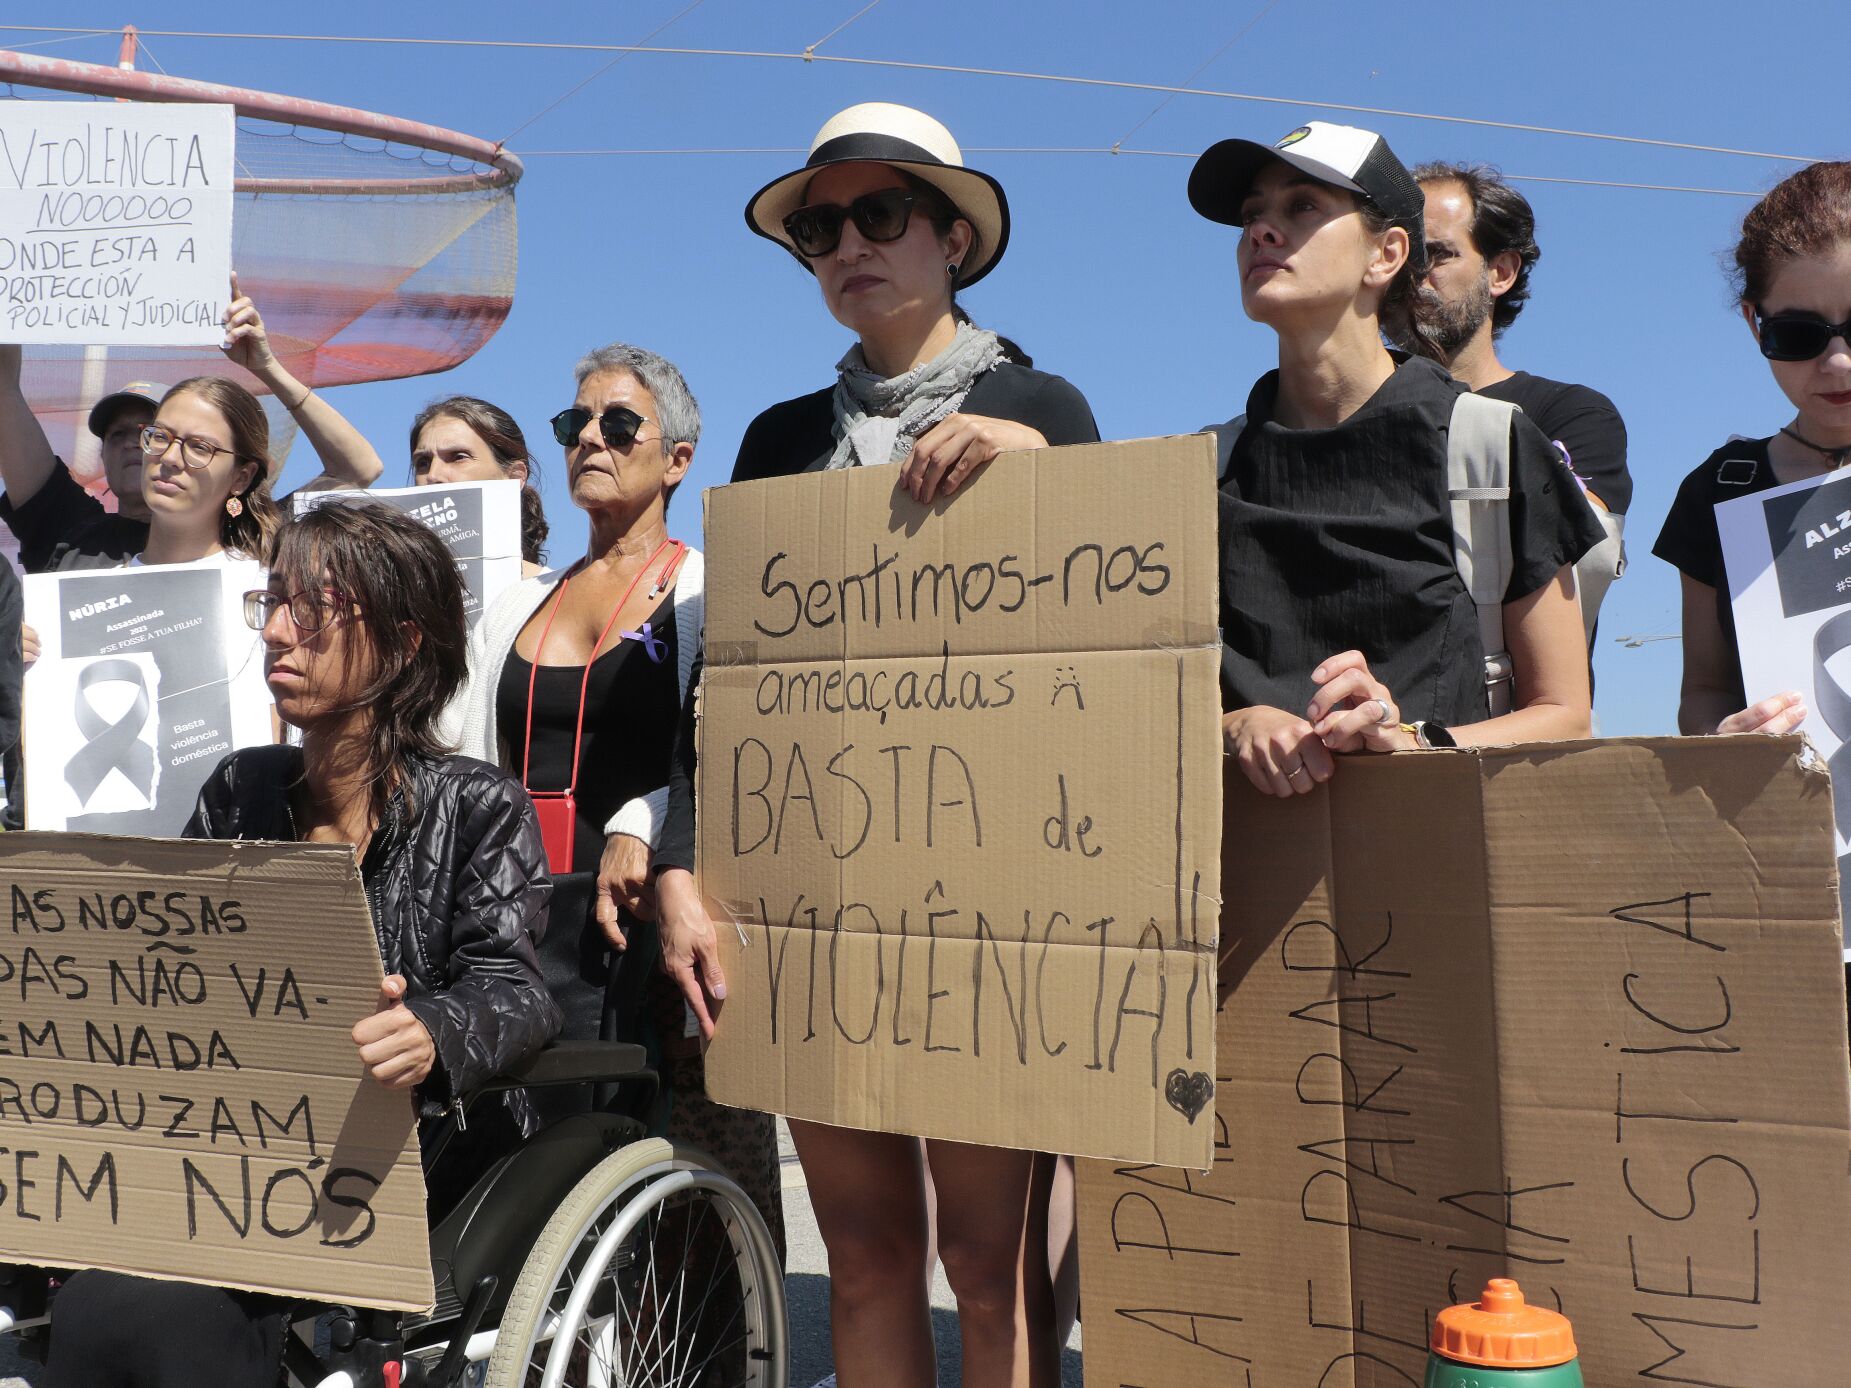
[459,892]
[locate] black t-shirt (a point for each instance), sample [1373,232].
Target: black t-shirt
[1583,424]
[1340,539]
[62,513]
[799,436]
[1690,541]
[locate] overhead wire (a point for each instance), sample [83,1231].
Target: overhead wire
[960,70]
[627,50]
[1203,67]
[638,152]
[811,50]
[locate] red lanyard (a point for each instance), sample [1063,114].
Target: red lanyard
[533,671]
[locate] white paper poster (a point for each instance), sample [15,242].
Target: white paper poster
[115,222]
[147,677]
[479,521]
[1788,554]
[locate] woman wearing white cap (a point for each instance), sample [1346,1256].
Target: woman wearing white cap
[1346,624]
[892,224]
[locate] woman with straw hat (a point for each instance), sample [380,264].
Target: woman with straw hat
[892,224]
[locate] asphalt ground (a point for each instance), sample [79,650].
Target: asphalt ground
[806,1287]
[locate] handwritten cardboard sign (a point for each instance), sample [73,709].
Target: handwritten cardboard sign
[179,1092]
[1572,1014]
[115,221]
[959,787]
[479,521]
[147,677]
[1787,551]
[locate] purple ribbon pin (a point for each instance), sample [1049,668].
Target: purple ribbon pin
[656,649]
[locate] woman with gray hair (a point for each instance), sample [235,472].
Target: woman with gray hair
[577,679]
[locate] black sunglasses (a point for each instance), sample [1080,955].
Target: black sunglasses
[618,425]
[878,216]
[1797,336]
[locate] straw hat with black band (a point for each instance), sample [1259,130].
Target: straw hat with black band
[879,132]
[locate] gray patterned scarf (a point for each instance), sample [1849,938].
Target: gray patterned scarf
[878,420]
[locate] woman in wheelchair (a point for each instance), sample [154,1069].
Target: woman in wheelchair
[364,644]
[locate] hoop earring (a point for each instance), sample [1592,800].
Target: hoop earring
[233,506]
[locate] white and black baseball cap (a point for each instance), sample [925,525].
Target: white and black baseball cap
[1344,156]
[880,132]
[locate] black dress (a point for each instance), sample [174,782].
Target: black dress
[632,706]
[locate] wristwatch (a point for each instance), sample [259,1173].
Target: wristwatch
[1429,734]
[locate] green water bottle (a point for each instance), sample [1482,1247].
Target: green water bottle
[1499,1341]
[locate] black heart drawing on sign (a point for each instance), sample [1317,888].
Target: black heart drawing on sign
[1188,1093]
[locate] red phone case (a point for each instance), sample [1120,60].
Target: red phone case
[558,814]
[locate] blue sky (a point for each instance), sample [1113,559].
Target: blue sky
[1110,279]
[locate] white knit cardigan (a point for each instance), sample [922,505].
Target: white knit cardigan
[470,719]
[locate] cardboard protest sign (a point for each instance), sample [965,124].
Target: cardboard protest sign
[479,521]
[115,222]
[147,676]
[1572,1014]
[1787,551]
[959,786]
[179,1092]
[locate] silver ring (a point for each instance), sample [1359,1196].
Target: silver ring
[1389,716]
[1295,771]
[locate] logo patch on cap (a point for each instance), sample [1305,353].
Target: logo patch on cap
[1294,137]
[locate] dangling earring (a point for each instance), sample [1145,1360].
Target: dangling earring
[233,506]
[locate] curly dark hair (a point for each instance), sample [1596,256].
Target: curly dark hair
[404,581]
[1805,214]
[1502,220]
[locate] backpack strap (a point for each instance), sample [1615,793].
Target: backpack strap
[1478,486]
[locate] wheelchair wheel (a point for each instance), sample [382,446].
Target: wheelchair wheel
[655,1272]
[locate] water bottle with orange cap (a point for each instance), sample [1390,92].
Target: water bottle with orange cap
[1499,1341]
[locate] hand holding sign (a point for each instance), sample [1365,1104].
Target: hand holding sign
[1781,714]
[948,453]
[394,1045]
[1353,711]
[246,344]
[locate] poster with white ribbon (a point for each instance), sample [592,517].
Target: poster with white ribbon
[1788,554]
[480,522]
[147,676]
[115,222]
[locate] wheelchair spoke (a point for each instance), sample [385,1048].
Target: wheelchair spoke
[677,1299]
